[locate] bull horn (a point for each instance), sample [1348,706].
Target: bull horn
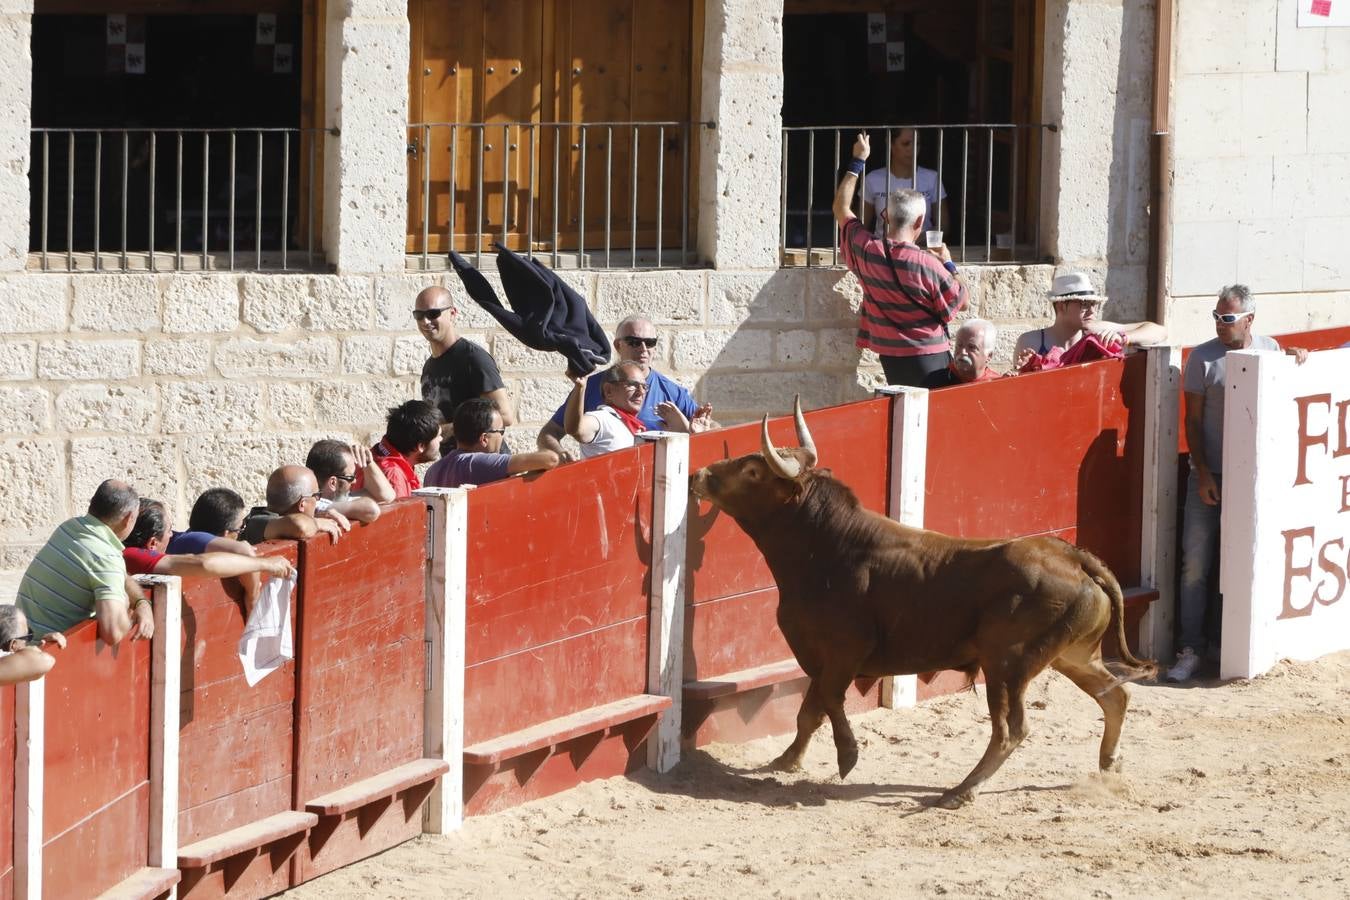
[783,468]
[804,434]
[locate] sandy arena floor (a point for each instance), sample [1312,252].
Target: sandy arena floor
[1229,790]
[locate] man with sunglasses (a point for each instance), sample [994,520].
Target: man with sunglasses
[335,466]
[1077,308]
[636,341]
[458,369]
[614,424]
[479,456]
[292,496]
[1203,387]
[21,655]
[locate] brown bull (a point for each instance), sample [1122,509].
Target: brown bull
[862,596]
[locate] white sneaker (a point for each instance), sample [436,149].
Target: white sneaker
[1186,664]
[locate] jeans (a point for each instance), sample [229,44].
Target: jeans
[1199,559]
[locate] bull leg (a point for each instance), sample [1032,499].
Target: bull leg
[832,689]
[1096,680]
[1009,729]
[809,716]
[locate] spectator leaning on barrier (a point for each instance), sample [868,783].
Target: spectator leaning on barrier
[1203,386]
[146,552]
[79,572]
[478,457]
[909,295]
[335,466]
[213,525]
[1076,306]
[973,348]
[635,340]
[292,494]
[614,425]
[458,369]
[21,654]
[412,436]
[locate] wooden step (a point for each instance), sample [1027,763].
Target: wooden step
[744,680]
[200,854]
[147,882]
[557,731]
[377,787]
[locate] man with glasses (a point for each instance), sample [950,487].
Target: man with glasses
[458,369]
[21,655]
[636,341]
[1077,310]
[1202,384]
[614,424]
[335,466]
[292,495]
[479,457]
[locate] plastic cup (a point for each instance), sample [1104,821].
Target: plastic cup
[933,238]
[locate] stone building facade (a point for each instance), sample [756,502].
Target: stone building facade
[180,381]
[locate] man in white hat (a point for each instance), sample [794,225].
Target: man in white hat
[1077,307]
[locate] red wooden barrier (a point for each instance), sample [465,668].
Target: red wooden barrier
[739,681]
[6,793]
[556,629]
[360,680]
[236,754]
[96,802]
[1058,453]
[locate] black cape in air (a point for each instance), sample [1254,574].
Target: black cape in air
[545,314]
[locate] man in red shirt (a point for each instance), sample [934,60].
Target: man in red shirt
[909,294]
[412,436]
[974,346]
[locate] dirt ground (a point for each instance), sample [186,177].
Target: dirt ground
[1238,789]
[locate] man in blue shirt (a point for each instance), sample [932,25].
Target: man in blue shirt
[478,457]
[635,340]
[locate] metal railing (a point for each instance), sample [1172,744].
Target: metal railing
[585,195]
[986,171]
[173,199]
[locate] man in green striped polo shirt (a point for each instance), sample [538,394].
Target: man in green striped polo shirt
[79,573]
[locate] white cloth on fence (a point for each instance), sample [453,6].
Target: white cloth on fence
[266,643]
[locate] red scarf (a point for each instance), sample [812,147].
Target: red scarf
[633,423]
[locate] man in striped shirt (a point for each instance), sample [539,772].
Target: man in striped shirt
[79,572]
[909,294]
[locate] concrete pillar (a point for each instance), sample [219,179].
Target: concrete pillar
[738,177]
[1096,169]
[365,168]
[16,117]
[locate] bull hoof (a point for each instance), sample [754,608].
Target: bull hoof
[848,758]
[953,800]
[786,763]
[1114,764]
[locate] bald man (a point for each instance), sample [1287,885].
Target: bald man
[292,494]
[458,369]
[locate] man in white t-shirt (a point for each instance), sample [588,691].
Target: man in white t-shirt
[901,174]
[614,424]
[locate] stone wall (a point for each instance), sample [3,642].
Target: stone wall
[183,382]
[1262,165]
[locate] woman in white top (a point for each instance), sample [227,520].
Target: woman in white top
[1077,307]
[614,424]
[900,173]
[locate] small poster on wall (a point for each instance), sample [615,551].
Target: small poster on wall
[1324,13]
[895,56]
[876,28]
[125,38]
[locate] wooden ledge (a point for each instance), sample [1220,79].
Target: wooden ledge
[377,787]
[1139,596]
[556,731]
[143,883]
[744,680]
[200,854]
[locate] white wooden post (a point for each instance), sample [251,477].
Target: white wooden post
[665,643]
[443,713]
[166,651]
[29,717]
[908,469]
[1157,544]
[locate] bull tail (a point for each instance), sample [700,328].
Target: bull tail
[1102,575]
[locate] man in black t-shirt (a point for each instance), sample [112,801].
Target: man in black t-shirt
[458,369]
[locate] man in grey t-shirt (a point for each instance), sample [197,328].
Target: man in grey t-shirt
[1203,383]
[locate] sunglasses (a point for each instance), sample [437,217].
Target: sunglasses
[649,343]
[347,478]
[1229,318]
[639,386]
[494,431]
[27,639]
[430,315]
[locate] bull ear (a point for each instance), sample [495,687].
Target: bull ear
[804,434]
[783,468]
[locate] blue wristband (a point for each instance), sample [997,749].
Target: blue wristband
[856,167]
[949,266]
